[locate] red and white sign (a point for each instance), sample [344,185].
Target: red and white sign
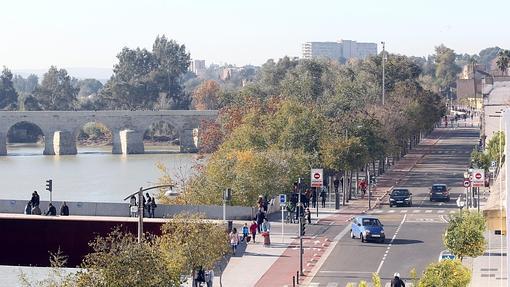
[316,177]
[478,178]
[467,183]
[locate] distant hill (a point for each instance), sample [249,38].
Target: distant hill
[100,74]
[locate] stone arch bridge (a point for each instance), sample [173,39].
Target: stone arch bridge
[61,128]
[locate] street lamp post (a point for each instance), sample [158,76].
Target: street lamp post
[140,206]
[383,60]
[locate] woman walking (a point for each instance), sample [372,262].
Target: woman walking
[234,240]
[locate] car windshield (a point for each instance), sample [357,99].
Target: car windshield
[371,222]
[400,192]
[438,188]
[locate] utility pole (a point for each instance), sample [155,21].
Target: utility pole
[383,60]
[300,219]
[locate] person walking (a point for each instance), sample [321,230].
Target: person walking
[260,216]
[245,232]
[153,207]
[64,209]
[266,230]
[234,240]
[314,198]
[28,208]
[132,205]
[253,229]
[148,204]
[35,199]
[323,198]
[396,281]
[308,215]
[51,210]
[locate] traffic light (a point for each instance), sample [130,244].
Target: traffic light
[49,185]
[303,226]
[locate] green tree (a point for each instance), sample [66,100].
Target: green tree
[446,68]
[487,55]
[205,96]
[503,60]
[56,91]
[464,235]
[446,273]
[496,146]
[8,95]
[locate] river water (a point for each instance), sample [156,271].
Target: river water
[94,174]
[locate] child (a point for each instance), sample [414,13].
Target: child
[245,231]
[308,215]
[253,229]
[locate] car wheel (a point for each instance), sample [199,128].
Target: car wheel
[391,205]
[352,234]
[361,237]
[448,199]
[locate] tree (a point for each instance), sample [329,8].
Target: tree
[205,97]
[446,68]
[496,146]
[210,136]
[503,60]
[487,55]
[193,241]
[446,273]
[8,95]
[464,235]
[146,80]
[56,91]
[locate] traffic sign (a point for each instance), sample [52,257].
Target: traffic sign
[467,183]
[316,177]
[478,178]
[493,163]
[283,199]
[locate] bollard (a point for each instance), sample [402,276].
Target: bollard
[293,281]
[297,277]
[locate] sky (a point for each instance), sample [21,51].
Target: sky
[37,34]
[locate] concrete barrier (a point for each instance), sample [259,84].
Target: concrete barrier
[122,209]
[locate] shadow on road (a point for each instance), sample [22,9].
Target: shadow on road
[405,241]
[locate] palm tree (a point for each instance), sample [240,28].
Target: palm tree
[503,60]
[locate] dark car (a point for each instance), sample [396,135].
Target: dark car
[439,192]
[367,228]
[401,196]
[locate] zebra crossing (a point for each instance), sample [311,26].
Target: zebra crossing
[414,211]
[334,284]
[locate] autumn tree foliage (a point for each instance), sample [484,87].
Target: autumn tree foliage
[205,97]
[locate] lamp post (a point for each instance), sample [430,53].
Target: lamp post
[383,60]
[140,206]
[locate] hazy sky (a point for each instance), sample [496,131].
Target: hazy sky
[37,34]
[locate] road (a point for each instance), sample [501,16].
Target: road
[413,234]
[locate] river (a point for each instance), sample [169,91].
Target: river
[94,174]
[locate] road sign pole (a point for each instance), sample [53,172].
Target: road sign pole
[283,222]
[299,229]
[317,200]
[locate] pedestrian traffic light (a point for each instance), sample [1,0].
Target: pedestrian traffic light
[303,225]
[49,185]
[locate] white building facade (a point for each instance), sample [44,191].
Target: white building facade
[341,50]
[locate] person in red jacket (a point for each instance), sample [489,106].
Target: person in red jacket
[253,230]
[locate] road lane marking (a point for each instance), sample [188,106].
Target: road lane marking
[428,211]
[403,211]
[441,211]
[391,211]
[391,242]
[340,271]
[416,211]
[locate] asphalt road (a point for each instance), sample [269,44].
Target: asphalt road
[413,234]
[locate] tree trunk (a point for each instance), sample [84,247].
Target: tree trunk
[356,191]
[373,167]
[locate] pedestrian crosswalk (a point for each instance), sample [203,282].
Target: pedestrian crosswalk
[414,211]
[334,284]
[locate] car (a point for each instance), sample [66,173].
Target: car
[401,196]
[439,192]
[367,228]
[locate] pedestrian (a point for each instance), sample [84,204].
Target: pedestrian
[308,215]
[245,231]
[266,230]
[51,210]
[253,229]
[314,198]
[64,209]
[153,207]
[336,184]
[147,204]
[396,281]
[291,208]
[234,240]
[36,210]
[260,202]
[265,203]
[35,199]
[199,277]
[28,208]
[209,277]
[323,197]
[260,216]
[132,206]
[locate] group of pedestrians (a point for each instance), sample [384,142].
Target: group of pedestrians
[32,207]
[149,205]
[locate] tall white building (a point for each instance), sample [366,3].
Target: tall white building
[341,50]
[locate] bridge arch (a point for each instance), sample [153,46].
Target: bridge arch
[23,132]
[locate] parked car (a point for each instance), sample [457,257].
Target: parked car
[401,196]
[439,192]
[367,228]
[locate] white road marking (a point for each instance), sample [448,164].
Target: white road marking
[379,211]
[331,284]
[416,211]
[392,239]
[441,211]
[403,211]
[391,211]
[428,211]
[340,271]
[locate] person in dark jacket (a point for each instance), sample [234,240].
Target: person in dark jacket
[64,209]
[396,281]
[51,210]
[28,208]
[260,216]
[35,199]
